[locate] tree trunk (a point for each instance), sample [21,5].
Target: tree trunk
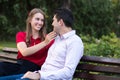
[66,4]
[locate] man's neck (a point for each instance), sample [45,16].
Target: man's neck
[65,30]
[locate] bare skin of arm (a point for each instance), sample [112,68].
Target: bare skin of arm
[26,51]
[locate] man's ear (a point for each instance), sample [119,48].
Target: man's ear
[61,22]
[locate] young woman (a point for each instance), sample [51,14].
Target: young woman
[32,45]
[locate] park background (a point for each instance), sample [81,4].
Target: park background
[97,22]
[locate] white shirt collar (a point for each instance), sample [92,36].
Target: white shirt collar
[68,34]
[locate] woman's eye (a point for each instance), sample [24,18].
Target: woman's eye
[37,19]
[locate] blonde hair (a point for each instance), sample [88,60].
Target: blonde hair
[42,31]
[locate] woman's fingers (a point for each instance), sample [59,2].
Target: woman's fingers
[50,36]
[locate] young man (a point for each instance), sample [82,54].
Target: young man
[66,52]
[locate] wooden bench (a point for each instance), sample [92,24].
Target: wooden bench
[98,68]
[8,54]
[89,68]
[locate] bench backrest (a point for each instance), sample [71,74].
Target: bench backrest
[9,54]
[98,68]
[10,50]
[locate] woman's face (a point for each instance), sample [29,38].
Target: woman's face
[37,21]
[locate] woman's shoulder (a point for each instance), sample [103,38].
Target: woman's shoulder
[20,36]
[21,33]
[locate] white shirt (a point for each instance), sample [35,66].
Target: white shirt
[63,57]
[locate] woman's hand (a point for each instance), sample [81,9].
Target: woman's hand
[50,37]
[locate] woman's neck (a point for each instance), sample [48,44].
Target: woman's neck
[35,34]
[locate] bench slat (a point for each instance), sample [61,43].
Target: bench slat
[98,68]
[103,60]
[10,50]
[84,75]
[7,60]
[8,55]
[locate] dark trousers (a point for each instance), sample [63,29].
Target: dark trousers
[22,66]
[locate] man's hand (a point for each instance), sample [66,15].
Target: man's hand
[32,75]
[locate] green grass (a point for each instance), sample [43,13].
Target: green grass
[7,44]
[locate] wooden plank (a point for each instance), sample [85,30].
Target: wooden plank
[103,60]
[10,50]
[7,60]
[8,55]
[84,75]
[98,68]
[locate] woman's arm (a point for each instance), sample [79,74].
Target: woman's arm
[26,51]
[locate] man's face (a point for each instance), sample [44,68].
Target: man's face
[56,25]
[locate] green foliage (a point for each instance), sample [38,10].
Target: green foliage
[93,17]
[3,25]
[107,46]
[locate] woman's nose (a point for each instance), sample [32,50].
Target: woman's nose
[40,21]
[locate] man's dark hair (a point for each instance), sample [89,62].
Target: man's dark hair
[66,15]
